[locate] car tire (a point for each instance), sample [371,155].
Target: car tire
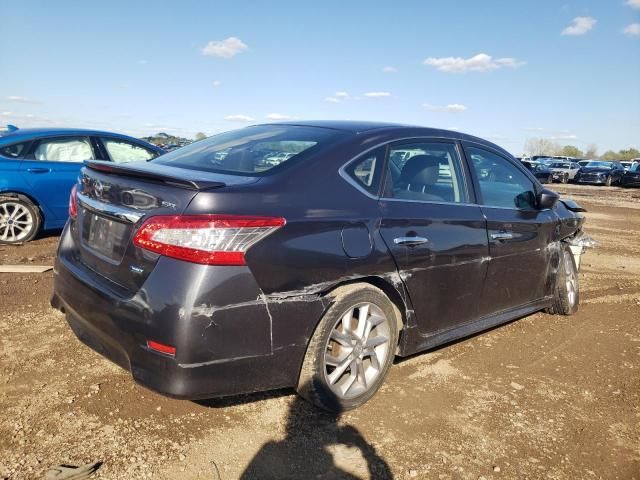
[20,220]
[608,181]
[566,296]
[351,350]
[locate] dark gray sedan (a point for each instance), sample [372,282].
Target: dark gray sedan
[210,272]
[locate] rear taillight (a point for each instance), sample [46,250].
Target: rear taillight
[73,202]
[161,347]
[206,239]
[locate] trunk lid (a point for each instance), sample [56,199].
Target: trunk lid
[113,202]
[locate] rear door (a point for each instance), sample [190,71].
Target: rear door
[436,234]
[51,168]
[518,232]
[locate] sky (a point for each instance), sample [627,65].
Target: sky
[502,70]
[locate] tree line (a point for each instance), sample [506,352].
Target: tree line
[545,146]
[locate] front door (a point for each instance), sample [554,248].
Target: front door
[436,235]
[52,167]
[519,233]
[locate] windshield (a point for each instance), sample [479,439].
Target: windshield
[560,165]
[251,151]
[599,164]
[635,167]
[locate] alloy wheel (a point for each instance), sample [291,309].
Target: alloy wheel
[571,280]
[16,222]
[357,350]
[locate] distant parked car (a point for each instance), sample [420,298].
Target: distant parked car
[627,165]
[563,172]
[540,171]
[600,173]
[631,178]
[38,167]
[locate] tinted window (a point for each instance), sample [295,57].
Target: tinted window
[66,149]
[122,151]
[599,164]
[425,171]
[502,184]
[16,150]
[252,150]
[367,170]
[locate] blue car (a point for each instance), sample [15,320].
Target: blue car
[38,167]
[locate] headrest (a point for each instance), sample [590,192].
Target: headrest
[420,170]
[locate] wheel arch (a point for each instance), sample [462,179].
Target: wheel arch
[14,193]
[388,288]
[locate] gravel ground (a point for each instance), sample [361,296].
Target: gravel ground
[543,397]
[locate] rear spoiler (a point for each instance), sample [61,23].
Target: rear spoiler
[155,173]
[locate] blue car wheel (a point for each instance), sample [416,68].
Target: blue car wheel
[19,220]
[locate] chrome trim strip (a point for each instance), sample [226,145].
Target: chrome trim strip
[109,210]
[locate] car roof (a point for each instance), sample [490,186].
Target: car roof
[24,134]
[366,127]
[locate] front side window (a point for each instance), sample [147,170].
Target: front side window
[502,184]
[16,150]
[67,149]
[122,151]
[425,171]
[251,151]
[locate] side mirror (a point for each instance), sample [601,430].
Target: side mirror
[547,199]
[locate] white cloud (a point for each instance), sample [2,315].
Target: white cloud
[580,26]
[6,114]
[451,108]
[478,63]
[337,97]
[564,137]
[226,48]
[389,69]
[632,30]
[633,3]
[377,94]
[239,118]
[19,99]
[278,116]
[216,83]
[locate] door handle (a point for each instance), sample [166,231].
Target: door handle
[502,236]
[38,170]
[410,241]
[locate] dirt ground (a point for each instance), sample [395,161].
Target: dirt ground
[542,397]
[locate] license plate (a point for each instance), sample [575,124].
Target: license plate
[104,235]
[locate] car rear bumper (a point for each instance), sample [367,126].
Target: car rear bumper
[246,345]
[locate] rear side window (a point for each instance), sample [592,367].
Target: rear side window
[367,170]
[121,151]
[422,171]
[17,150]
[251,151]
[66,149]
[502,184]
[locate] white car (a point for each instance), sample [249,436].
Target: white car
[563,172]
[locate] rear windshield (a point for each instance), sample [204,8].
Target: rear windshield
[251,151]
